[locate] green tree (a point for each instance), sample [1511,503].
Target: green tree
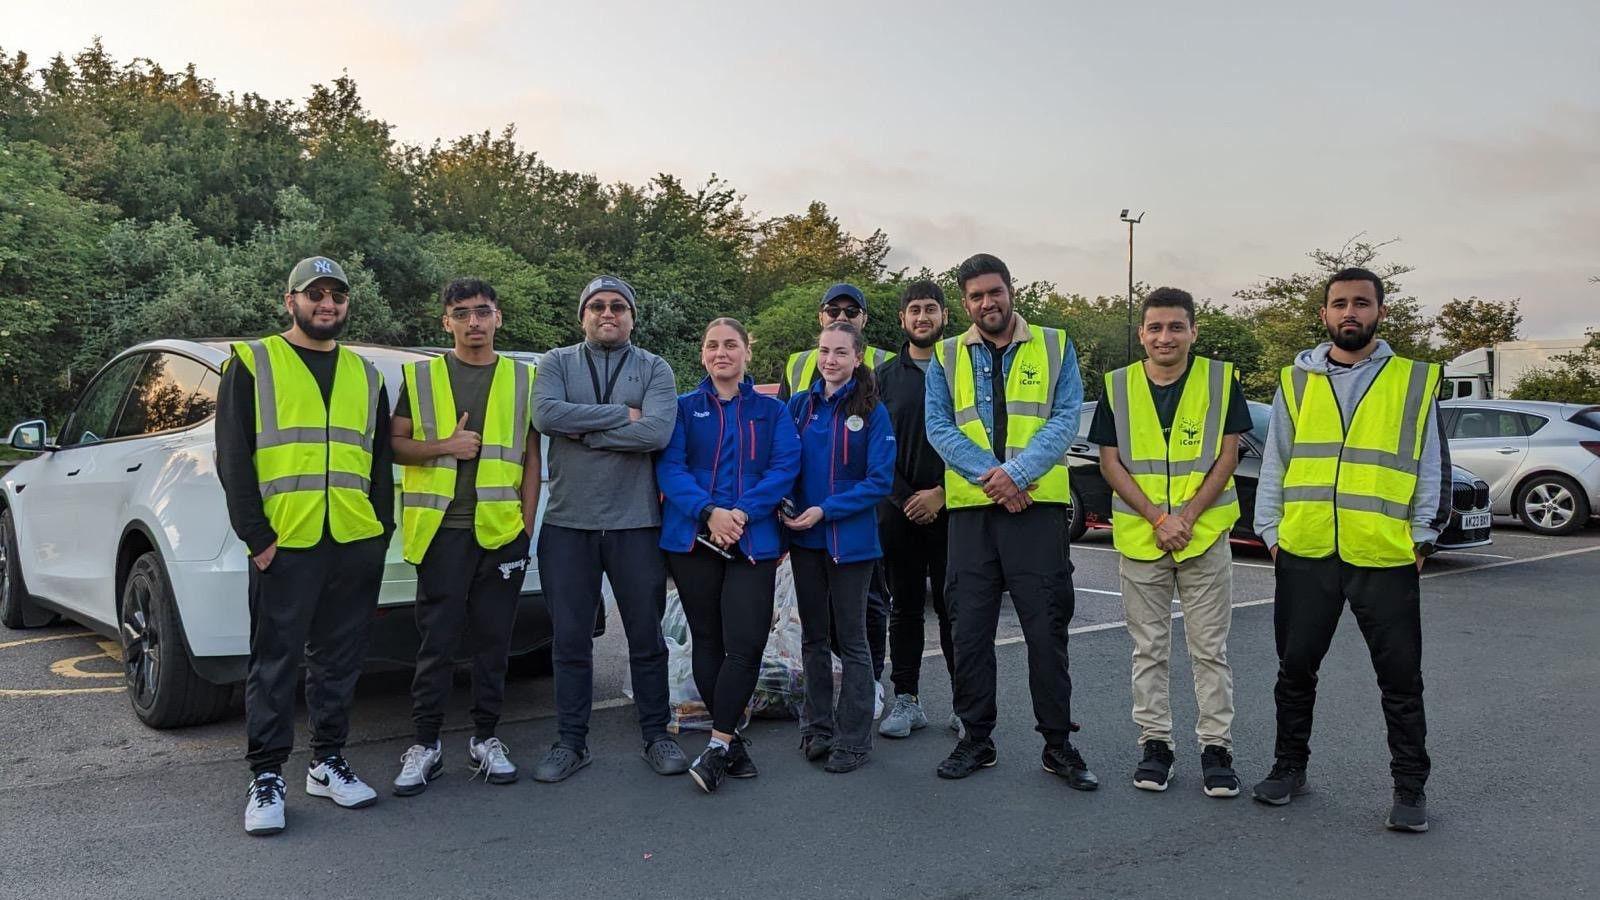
[1575,378]
[1284,310]
[1472,323]
[807,247]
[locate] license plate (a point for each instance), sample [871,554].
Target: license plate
[1474,522]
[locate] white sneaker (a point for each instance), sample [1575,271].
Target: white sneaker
[490,760]
[333,779]
[263,808]
[877,701]
[418,765]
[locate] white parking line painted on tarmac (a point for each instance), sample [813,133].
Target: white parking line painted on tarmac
[1514,562]
[1484,555]
[1248,565]
[1084,590]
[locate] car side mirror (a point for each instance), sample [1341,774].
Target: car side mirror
[30,437]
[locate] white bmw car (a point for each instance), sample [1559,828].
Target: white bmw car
[119,523]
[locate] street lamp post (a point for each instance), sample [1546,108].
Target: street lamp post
[1131,222]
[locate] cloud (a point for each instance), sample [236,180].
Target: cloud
[1560,154]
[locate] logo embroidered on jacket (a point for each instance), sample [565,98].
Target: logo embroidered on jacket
[703,414]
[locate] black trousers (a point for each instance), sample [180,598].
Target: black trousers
[832,599]
[312,605]
[728,603]
[878,616]
[993,551]
[571,562]
[1387,604]
[913,557]
[465,593]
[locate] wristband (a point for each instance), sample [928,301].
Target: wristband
[1158,521]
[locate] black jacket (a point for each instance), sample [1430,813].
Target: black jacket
[917,466]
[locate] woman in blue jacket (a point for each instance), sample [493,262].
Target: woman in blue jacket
[733,456]
[846,467]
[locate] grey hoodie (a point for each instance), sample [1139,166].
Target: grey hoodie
[602,466]
[1430,504]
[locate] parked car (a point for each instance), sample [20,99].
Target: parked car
[1470,522]
[1542,460]
[121,525]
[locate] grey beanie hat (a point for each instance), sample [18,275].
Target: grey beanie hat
[608,283]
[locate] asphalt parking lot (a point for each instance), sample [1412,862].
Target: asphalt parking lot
[93,802]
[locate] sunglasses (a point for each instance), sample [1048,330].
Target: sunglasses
[315,295]
[599,307]
[476,312]
[849,312]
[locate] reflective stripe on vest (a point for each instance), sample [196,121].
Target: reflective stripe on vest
[1028,402]
[802,367]
[313,460]
[1170,469]
[1351,493]
[427,489]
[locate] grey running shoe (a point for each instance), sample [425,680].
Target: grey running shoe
[491,760]
[1285,782]
[419,765]
[905,717]
[1410,811]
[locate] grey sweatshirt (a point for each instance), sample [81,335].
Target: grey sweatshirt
[1430,504]
[602,467]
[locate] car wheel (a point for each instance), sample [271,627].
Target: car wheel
[13,592]
[161,684]
[1552,504]
[1080,515]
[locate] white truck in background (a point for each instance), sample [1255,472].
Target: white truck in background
[1491,373]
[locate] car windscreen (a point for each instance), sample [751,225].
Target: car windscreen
[1260,421]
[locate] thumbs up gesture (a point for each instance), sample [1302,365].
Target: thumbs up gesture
[462,444]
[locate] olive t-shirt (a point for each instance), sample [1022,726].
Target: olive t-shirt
[469,387]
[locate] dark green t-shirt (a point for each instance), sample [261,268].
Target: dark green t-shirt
[469,386]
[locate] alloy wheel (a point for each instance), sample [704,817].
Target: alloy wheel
[1550,505]
[141,642]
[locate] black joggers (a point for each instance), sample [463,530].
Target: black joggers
[465,594]
[914,559]
[313,604]
[1387,604]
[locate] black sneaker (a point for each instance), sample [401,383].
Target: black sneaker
[816,746]
[560,762]
[1067,762]
[1285,782]
[841,761]
[968,757]
[709,769]
[1216,767]
[739,763]
[1410,811]
[1156,767]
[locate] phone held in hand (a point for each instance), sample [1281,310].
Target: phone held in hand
[787,507]
[706,541]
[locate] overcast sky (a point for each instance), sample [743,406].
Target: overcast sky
[1252,132]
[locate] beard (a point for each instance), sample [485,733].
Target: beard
[923,343]
[1351,342]
[997,328]
[307,323]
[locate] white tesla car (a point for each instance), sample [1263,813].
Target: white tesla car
[119,523]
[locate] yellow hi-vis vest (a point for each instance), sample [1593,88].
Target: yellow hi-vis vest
[1169,470]
[426,490]
[313,460]
[802,367]
[1351,493]
[1030,389]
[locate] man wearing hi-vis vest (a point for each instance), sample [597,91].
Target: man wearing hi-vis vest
[844,302]
[1354,491]
[463,430]
[304,460]
[1002,407]
[1168,429]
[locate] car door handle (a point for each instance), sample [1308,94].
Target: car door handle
[135,467]
[1506,450]
[73,472]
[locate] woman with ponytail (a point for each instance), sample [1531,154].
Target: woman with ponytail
[847,453]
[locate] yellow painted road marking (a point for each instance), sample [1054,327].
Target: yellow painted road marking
[56,692]
[49,637]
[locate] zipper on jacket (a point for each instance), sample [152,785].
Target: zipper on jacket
[1344,437]
[833,458]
